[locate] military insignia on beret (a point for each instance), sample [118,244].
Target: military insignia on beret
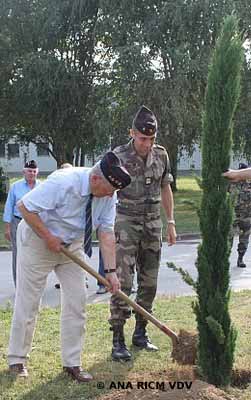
[114,172]
[145,122]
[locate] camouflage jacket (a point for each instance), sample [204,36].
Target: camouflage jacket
[147,178]
[241,197]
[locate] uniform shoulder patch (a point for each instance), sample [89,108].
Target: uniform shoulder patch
[121,149]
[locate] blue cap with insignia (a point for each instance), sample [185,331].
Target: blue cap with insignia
[30,164]
[243,166]
[114,172]
[145,122]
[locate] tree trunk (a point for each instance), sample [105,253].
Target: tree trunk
[77,155]
[172,150]
[82,158]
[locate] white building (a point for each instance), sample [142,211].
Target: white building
[13,157]
[193,163]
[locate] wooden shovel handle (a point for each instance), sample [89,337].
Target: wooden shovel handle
[121,294]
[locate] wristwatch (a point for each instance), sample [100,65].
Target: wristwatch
[171,221]
[109,271]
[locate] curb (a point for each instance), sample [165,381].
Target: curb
[188,236]
[180,237]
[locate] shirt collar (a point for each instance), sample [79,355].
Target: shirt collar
[86,188]
[26,183]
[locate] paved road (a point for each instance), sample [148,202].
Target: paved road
[169,283]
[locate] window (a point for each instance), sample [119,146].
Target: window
[2,149]
[43,149]
[13,150]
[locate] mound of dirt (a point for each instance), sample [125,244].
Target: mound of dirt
[199,390]
[185,351]
[241,378]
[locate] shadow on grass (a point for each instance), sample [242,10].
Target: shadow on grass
[107,375]
[6,381]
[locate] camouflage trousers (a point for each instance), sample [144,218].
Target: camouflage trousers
[242,226]
[137,249]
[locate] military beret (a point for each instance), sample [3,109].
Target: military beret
[113,171]
[145,122]
[30,164]
[243,166]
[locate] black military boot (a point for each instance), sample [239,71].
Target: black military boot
[119,349]
[140,337]
[240,262]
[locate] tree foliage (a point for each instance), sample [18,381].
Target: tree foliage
[161,54]
[216,333]
[118,55]
[53,67]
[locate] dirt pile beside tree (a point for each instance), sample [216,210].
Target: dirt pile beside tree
[199,391]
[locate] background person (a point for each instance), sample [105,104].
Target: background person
[138,228]
[241,195]
[11,215]
[63,210]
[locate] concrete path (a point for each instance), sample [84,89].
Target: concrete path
[170,283]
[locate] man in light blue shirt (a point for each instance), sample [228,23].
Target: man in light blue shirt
[12,215]
[57,212]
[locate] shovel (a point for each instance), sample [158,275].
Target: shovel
[123,296]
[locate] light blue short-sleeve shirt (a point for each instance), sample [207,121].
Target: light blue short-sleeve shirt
[16,192]
[61,200]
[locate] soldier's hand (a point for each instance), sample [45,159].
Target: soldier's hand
[232,175]
[114,282]
[171,234]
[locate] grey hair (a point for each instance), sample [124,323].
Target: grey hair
[96,170]
[66,165]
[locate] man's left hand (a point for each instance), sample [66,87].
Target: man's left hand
[114,282]
[171,234]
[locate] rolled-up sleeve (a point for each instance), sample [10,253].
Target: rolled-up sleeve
[107,217]
[9,206]
[167,177]
[43,198]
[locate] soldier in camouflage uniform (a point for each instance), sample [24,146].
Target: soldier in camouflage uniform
[138,228]
[241,194]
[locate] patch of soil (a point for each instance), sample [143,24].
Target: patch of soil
[185,351]
[155,387]
[241,378]
[199,391]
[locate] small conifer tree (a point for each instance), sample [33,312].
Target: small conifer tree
[217,335]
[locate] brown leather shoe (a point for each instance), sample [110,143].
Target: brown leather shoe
[78,374]
[19,370]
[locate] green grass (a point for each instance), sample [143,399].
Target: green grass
[187,201]
[3,241]
[46,380]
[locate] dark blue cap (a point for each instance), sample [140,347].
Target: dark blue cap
[145,122]
[114,172]
[30,164]
[243,166]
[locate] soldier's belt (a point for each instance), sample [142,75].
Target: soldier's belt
[139,209]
